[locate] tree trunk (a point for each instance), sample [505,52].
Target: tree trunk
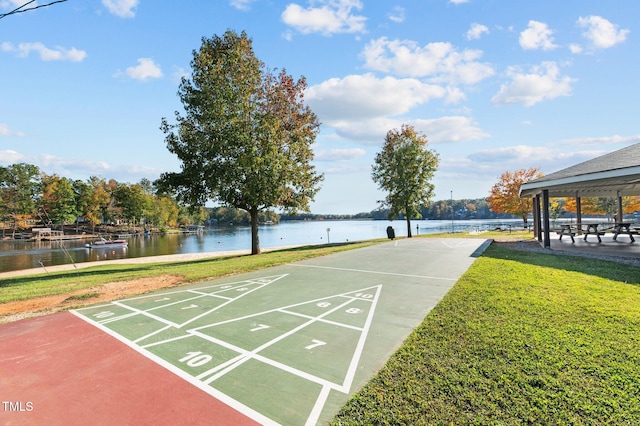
[255,240]
[408,226]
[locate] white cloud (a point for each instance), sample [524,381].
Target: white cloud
[331,17]
[543,82]
[121,8]
[9,156]
[440,130]
[397,15]
[46,54]
[476,31]
[366,96]
[511,154]
[605,140]
[79,169]
[441,62]
[575,48]
[537,36]
[339,154]
[5,130]
[12,4]
[241,4]
[602,33]
[145,69]
[459,1]
[450,129]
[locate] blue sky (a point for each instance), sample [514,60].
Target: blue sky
[495,85]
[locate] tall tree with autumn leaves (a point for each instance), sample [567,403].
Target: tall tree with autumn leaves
[505,194]
[245,137]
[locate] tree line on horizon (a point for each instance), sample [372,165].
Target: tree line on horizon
[29,196]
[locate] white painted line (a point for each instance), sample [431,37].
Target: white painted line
[146,314]
[351,372]
[262,285]
[139,339]
[373,272]
[318,406]
[324,321]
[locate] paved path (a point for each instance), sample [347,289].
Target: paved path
[319,330]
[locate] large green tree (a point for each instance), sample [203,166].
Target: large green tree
[19,187]
[58,200]
[133,201]
[245,137]
[404,169]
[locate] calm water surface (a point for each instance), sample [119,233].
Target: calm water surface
[19,254]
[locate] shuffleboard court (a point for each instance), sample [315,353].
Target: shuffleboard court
[289,344]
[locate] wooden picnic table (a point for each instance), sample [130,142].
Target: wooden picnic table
[591,229]
[567,229]
[625,228]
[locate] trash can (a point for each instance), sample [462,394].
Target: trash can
[391,234]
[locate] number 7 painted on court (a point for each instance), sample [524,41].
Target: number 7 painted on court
[315,344]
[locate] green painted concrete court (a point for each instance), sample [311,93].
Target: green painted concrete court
[288,345]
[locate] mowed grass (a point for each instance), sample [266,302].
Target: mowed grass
[522,338]
[55,283]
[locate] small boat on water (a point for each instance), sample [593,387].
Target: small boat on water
[104,243]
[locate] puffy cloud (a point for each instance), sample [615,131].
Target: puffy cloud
[365,107]
[331,17]
[371,131]
[450,129]
[543,82]
[145,69]
[476,31]
[121,8]
[9,156]
[46,54]
[537,36]
[602,33]
[363,96]
[440,62]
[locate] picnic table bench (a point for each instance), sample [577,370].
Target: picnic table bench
[625,228]
[567,229]
[592,229]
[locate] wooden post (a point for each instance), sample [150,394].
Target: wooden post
[545,207]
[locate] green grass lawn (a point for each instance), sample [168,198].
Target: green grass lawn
[522,338]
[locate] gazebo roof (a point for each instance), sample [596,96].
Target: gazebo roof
[610,175]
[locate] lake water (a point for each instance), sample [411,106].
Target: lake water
[21,254]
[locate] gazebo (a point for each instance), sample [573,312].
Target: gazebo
[616,174]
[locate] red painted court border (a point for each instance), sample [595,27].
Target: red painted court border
[60,370]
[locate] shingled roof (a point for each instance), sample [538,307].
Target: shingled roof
[610,175]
